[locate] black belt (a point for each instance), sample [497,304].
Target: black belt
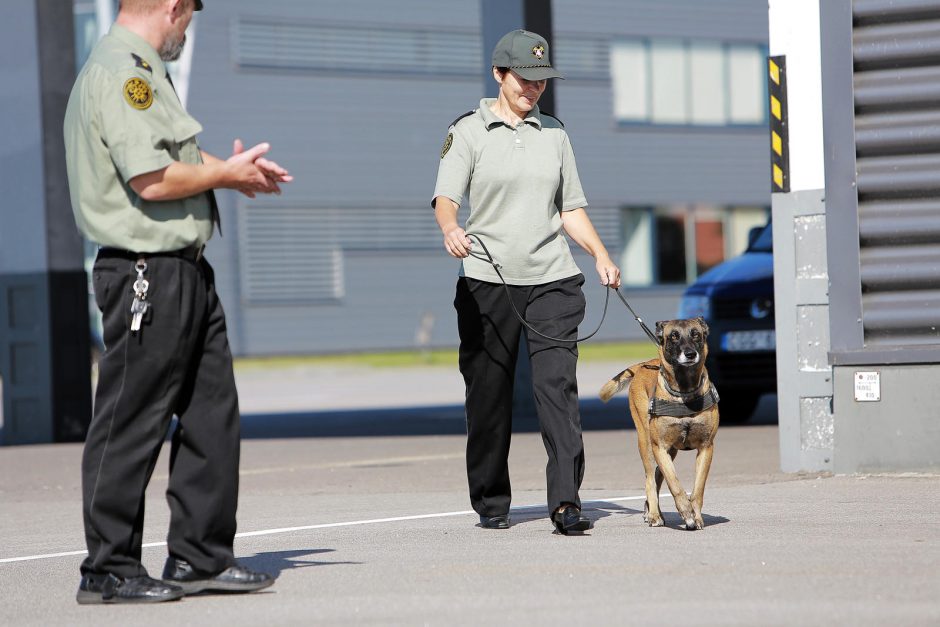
[192,253]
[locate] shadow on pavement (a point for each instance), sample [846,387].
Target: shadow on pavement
[437,420]
[275,562]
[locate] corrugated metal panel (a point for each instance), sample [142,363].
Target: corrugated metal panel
[264,42]
[896,49]
[726,20]
[897,89]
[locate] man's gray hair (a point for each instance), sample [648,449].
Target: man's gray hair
[143,7]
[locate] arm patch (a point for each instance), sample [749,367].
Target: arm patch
[448,142]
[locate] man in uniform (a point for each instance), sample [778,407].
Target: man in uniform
[143,190]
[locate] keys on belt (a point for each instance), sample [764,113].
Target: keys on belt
[140,305]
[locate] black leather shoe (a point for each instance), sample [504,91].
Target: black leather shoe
[98,588]
[233,579]
[495,522]
[570,519]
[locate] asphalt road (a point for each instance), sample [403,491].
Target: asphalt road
[353,492]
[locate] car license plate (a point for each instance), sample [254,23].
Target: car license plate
[744,341]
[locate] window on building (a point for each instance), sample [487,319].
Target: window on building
[687,82]
[86,31]
[674,244]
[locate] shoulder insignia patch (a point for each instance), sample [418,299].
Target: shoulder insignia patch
[553,117]
[141,63]
[447,144]
[138,93]
[462,117]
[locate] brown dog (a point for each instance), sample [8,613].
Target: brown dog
[675,408]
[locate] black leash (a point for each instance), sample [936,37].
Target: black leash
[643,326]
[488,258]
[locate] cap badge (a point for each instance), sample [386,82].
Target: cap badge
[138,93]
[447,144]
[538,51]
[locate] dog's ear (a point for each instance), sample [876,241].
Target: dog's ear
[704,324]
[659,332]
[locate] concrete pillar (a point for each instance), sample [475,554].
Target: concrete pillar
[45,352]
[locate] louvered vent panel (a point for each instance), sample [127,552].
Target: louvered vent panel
[354,48]
[582,58]
[287,257]
[896,47]
[292,255]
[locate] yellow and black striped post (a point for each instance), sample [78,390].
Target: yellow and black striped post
[779,136]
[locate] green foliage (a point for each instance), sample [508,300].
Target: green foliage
[622,352]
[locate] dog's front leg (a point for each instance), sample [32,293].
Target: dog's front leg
[659,483]
[703,461]
[683,505]
[639,400]
[651,514]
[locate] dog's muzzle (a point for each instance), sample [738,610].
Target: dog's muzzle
[685,360]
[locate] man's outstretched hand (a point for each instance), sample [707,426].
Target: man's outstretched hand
[254,173]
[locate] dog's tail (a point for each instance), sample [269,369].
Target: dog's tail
[622,379]
[619,382]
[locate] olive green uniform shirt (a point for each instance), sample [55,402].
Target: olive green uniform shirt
[519,180]
[124,119]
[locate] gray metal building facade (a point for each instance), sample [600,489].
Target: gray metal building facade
[356,99]
[857,265]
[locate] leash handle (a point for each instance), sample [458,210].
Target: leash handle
[488,258]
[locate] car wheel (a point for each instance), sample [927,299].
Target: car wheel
[736,408]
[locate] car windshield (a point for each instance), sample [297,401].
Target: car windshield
[764,243]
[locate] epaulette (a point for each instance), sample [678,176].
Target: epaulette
[552,117]
[462,117]
[139,62]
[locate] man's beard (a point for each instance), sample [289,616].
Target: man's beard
[172,48]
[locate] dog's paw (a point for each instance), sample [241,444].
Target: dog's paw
[694,523]
[655,521]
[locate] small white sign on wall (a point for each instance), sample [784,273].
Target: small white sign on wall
[867,386]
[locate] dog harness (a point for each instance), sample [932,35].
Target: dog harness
[682,409]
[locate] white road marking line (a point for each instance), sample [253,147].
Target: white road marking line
[352,523]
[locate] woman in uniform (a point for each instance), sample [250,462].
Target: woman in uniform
[515,166]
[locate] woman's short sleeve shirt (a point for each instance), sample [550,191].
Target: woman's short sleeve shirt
[517,181]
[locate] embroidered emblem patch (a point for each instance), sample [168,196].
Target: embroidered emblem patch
[138,93]
[538,51]
[447,144]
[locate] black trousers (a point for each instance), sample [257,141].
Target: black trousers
[178,363]
[489,346]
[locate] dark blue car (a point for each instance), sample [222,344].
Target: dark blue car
[736,298]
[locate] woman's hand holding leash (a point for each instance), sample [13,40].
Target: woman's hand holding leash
[457,243]
[608,271]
